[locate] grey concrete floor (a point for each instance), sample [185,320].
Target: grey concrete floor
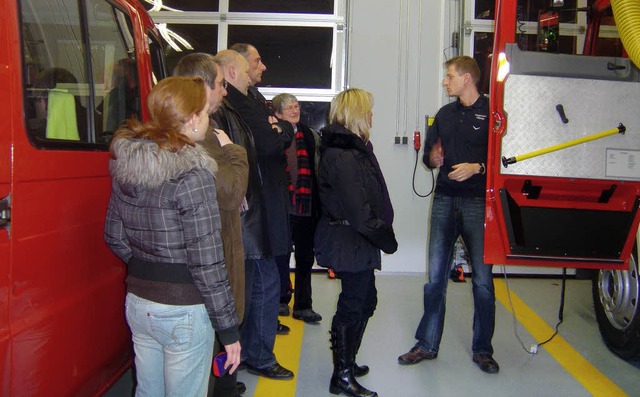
[391,333]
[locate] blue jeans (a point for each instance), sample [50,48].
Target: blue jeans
[173,347]
[261,314]
[451,217]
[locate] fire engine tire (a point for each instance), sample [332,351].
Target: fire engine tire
[616,299]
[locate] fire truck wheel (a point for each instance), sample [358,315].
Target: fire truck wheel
[615,297]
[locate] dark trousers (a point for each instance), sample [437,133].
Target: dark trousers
[285,281]
[357,300]
[224,386]
[303,229]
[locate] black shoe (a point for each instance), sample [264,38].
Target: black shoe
[276,371]
[241,387]
[307,315]
[486,363]
[283,310]
[282,329]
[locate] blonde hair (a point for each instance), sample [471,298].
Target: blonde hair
[352,109]
[171,104]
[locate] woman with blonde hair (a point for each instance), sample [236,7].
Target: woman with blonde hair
[163,222]
[356,224]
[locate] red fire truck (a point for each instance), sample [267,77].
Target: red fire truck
[70,72]
[564,158]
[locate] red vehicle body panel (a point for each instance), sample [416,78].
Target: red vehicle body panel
[62,325]
[558,192]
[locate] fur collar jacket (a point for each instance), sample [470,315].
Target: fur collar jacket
[141,164]
[337,136]
[164,210]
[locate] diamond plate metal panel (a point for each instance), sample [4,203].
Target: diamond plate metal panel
[591,106]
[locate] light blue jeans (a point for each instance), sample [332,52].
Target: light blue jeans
[173,347]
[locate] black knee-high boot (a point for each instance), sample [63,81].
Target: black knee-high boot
[359,370]
[343,380]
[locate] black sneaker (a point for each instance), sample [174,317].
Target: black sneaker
[282,329]
[283,310]
[307,315]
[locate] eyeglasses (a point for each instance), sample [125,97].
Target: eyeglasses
[292,107]
[222,83]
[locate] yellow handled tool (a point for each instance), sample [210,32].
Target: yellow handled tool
[620,129]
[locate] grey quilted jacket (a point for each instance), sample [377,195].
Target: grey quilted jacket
[163,209]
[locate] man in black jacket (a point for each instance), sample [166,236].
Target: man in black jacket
[262,280]
[272,139]
[457,144]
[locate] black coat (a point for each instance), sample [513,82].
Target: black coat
[270,147]
[255,237]
[351,231]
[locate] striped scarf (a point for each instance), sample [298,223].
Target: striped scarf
[300,194]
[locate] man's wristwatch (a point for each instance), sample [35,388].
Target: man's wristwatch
[482,169]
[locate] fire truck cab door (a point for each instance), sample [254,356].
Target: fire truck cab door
[5,210]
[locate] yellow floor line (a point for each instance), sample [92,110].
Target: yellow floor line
[589,376]
[287,350]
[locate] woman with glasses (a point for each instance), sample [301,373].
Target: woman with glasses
[355,226]
[304,209]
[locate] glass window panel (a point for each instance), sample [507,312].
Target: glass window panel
[114,69]
[296,57]
[482,49]
[314,114]
[608,47]
[182,5]
[608,44]
[56,87]
[202,38]
[283,6]
[158,66]
[527,10]
[484,9]
[566,44]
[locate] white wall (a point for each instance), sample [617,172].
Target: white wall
[396,48]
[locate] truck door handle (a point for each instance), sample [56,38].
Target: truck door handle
[613,66]
[5,212]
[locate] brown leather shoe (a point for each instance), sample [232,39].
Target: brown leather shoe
[486,363]
[415,355]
